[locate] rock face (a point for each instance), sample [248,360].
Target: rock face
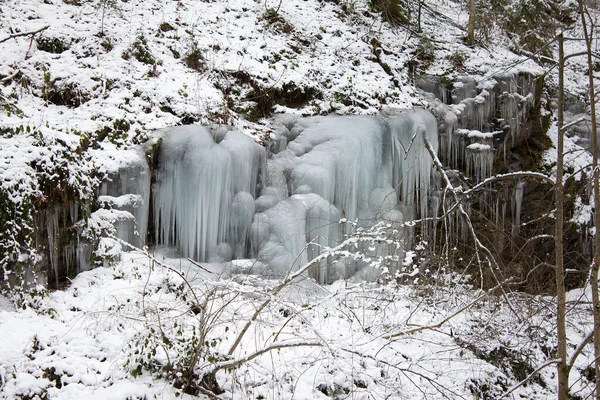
[497,126]
[481,120]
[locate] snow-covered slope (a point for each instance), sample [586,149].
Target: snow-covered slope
[91,340]
[132,61]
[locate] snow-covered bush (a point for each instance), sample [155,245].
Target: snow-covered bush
[178,342]
[140,51]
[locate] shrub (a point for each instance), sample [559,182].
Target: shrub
[140,51]
[458,59]
[117,134]
[276,21]
[56,177]
[54,45]
[393,11]
[166,27]
[194,59]
[106,44]
[59,93]
[424,52]
[175,345]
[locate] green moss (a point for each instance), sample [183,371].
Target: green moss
[342,98]
[117,134]
[62,177]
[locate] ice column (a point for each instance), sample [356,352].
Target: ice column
[204,194]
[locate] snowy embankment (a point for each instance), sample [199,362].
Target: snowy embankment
[347,339]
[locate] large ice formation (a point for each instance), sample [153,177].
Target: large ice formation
[218,196]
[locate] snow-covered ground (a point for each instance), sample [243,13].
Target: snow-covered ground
[346,340]
[104,74]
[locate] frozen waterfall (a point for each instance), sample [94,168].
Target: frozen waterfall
[205,190]
[220,196]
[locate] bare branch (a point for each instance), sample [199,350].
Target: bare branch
[478,244]
[439,387]
[208,393]
[200,266]
[581,53]
[442,322]
[15,35]
[234,363]
[573,123]
[579,349]
[10,77]
[289,279]
[520,174]
[524,381]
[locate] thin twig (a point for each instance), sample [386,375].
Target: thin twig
[524,381]
[442,322]
[478,244]
[151,257]
[15,35]
[200,266]
[278,288]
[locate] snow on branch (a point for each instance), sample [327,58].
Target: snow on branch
[33,33]
[275,346]
[519,174]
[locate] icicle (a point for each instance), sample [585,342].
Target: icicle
[358,168]
[217,201]
[84,255]
[132,178]
[518,200]
[52,217]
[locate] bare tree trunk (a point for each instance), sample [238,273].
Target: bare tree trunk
[561,334]
[471,23]
[419,9]
[595,176]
